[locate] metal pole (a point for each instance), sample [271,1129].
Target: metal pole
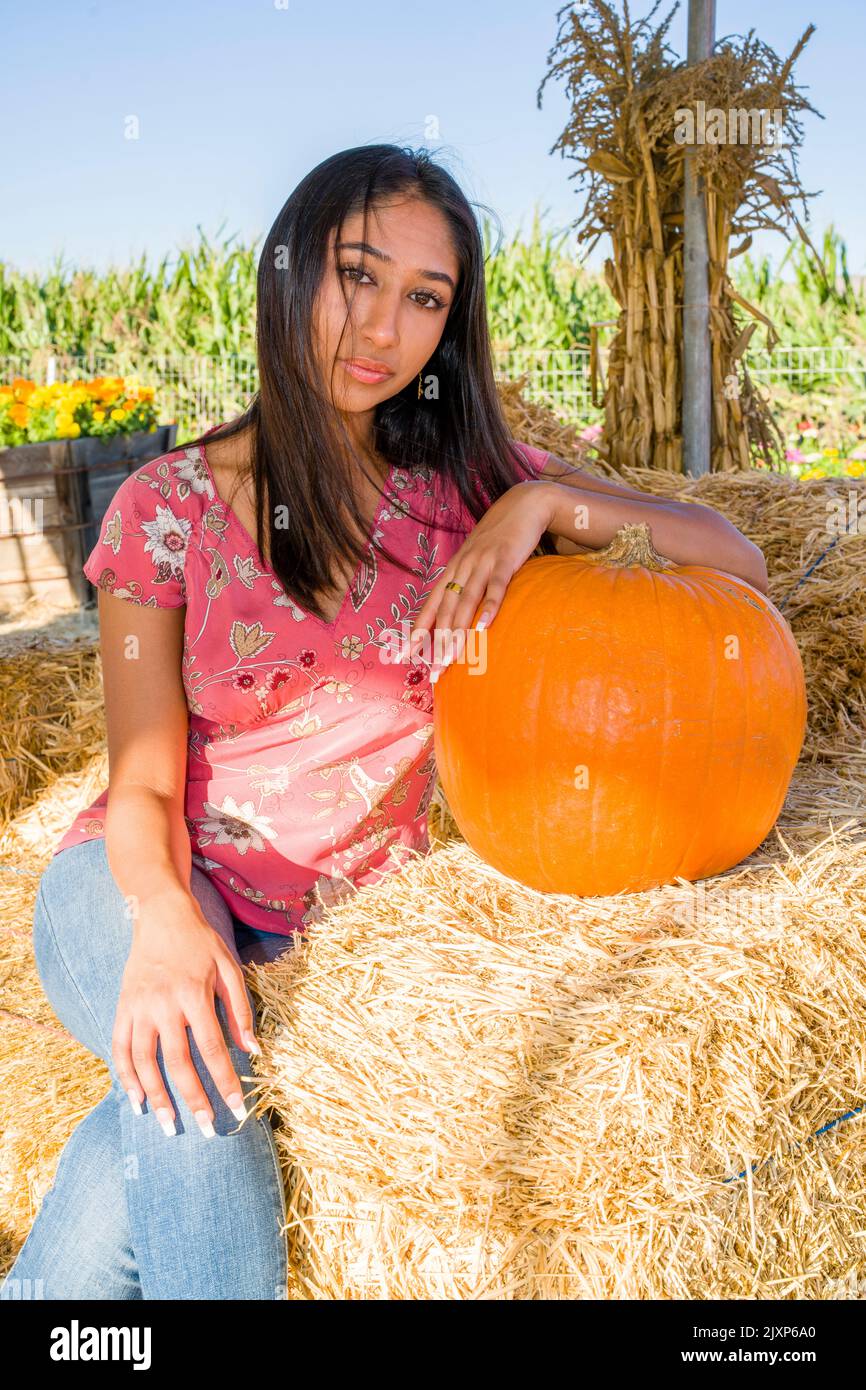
[697,364]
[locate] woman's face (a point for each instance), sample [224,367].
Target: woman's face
[401,284]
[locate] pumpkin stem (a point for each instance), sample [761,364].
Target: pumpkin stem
[632,545]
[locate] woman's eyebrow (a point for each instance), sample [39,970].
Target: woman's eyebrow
[381,256]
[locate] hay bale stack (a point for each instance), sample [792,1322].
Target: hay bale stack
[537,424]
[48,1081]
[51,700]
[490,1092]
[487,1091]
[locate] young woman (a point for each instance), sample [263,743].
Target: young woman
[267,755]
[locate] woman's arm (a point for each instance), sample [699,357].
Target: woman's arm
[558,471]
[146,840]
[587,512]
[473,584]
[177,961]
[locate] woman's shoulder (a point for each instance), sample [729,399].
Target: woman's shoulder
[179,478]
[530,464]
[153,518]
[534,457]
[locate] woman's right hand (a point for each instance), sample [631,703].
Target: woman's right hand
[177,965]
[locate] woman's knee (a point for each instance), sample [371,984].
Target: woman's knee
[78,942]
[82,936]
[82,914]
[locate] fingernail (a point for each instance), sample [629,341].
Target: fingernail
[166,1121]
[134,1102]
[250,1043]
[236,1105]
[204,1123]
[482,621]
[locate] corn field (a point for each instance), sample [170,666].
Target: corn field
[186,326]
[201,303]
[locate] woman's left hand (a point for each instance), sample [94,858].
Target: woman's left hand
[494,550]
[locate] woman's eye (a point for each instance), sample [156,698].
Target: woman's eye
[358,274]
[434,302]
[354,271]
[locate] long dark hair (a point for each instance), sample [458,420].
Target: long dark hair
[301,453]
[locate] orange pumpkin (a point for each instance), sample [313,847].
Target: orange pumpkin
[624,721]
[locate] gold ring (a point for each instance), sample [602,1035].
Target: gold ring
[452,584]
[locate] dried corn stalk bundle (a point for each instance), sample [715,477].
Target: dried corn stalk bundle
[630,98]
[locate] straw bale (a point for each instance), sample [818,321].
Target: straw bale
[51,704]
[48,1080]
[487,1091]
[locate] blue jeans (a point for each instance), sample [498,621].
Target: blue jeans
[133,1213]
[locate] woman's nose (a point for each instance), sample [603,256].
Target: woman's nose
[380,322]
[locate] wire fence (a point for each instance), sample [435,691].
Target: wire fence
[808,367]
[199,391]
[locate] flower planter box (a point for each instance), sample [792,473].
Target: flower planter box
[53,497]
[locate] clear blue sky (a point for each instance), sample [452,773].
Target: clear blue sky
[237,101]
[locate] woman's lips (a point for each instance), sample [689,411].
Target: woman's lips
[365,373]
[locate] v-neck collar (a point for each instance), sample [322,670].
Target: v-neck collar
[232,516]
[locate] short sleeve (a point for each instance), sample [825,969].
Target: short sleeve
[143,541]
[535,458]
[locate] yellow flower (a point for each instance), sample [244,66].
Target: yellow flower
[855,469]
[118,414]
[99,414]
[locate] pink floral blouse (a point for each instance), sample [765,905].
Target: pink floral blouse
[310,760]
